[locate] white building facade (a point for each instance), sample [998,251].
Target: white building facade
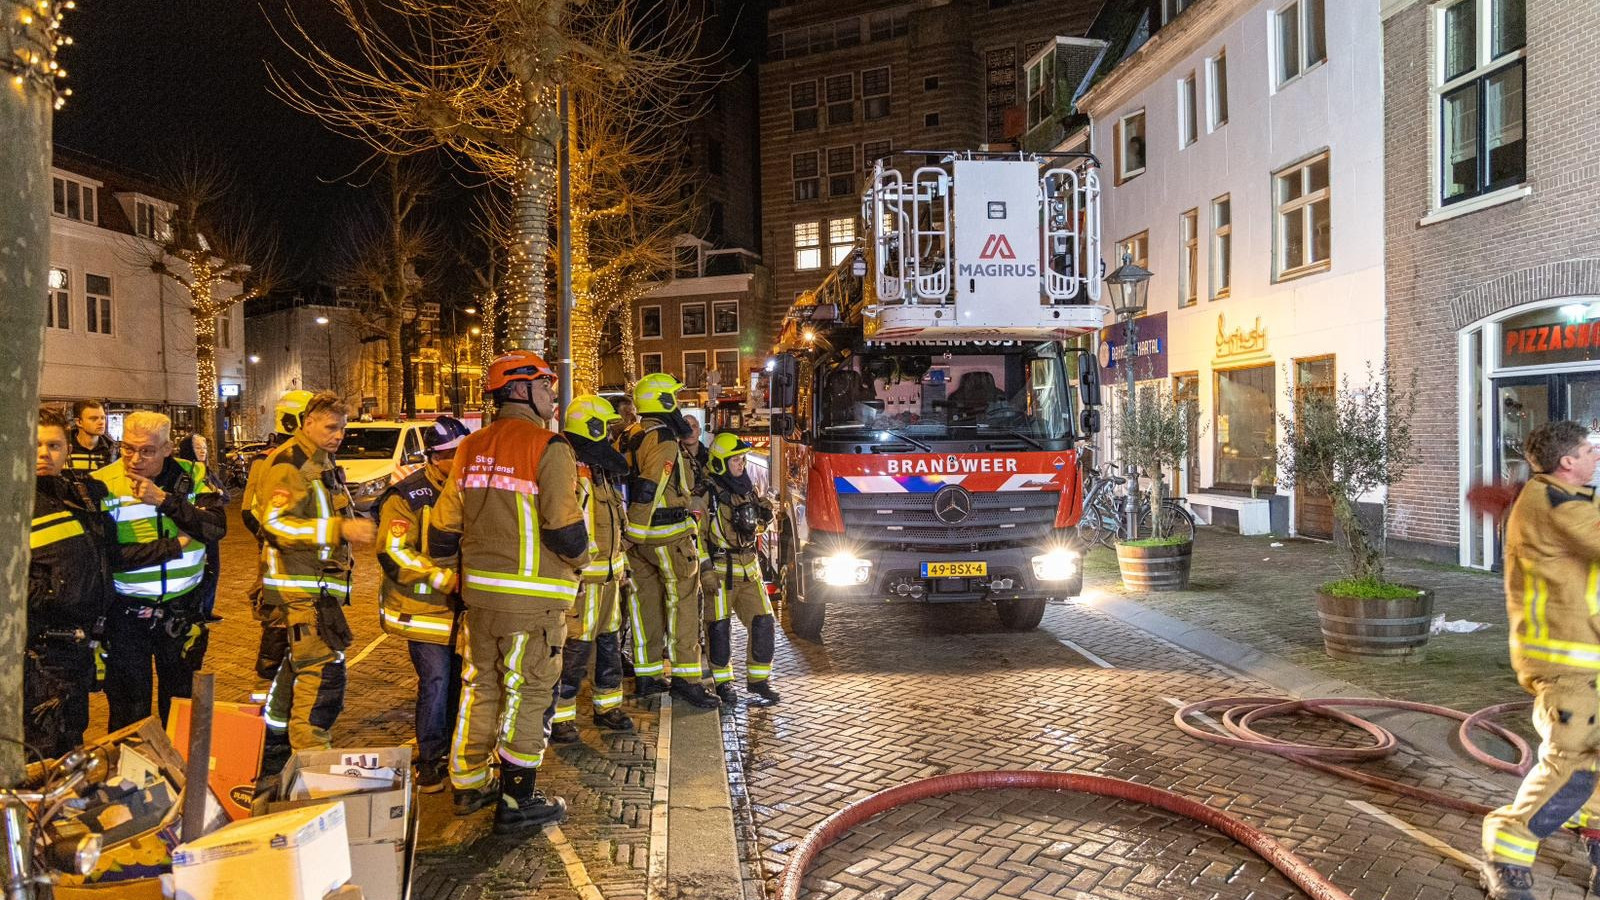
[115,330]
[1242,152]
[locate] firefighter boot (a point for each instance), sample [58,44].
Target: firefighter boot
[645,685]
[694,693]
[564,733]
[470,800]
[613,720]
[726,693]
[764,694]
[522,808]
[1503,881]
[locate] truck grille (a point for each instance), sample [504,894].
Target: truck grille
[907,520]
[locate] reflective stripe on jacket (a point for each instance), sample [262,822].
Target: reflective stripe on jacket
[303,551]
[1552,566]
[414,600]
[140,523]
[603,514]
[657,458]
[718,541]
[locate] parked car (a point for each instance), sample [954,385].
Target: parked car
[375,455]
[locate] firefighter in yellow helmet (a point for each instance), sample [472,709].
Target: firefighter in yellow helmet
[735,514]
[663,561]
[418,600]
[597,616]
[274,637]
[510,510]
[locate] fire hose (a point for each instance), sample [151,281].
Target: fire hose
[1239,715]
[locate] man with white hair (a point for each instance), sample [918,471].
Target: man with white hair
[154,617]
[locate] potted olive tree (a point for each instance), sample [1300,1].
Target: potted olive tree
[1155,438]
[1344,443]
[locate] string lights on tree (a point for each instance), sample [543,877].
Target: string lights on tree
[33,38]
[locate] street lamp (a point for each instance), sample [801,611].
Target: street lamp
[333,379]
[455,356]
[1130,294]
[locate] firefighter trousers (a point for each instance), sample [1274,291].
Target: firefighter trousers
[748,600]
[1560,788]
[307,692]
[509,671]
[666,608]
[592,626]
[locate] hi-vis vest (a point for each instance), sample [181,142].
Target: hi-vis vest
[140,523]
[492,500]
[414,601]
[603,515]
[303,552]
[655,458]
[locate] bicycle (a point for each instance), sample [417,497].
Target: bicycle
[30,856]
[1105,512]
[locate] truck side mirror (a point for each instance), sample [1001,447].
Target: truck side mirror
[1089,380]
[785,381]
[1090,421]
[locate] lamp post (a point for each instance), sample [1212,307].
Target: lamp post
[333,378]
[1130,287]
[455,357]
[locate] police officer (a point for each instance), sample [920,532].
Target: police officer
[90,447]
[418,600]
[663,559]
[274,643]
[74,548]
[1552,547]
[735,514]
[307,526]
[510,509]
[596,618]
[155,617]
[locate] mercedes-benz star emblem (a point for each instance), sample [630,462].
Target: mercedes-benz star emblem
[952,504]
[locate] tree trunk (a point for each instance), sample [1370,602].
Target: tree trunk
[205,370]
[1365,561]
[630,359]
[396,398]
[1157,489]
[406,378]
[586,323]
[526,290]
[25,120]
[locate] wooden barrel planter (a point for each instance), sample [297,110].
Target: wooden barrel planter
[1377,631]
[1155,568]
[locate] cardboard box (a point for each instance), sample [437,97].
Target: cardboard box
[298,854]
[378,868]
[143,889]
[237,735]
[369,816]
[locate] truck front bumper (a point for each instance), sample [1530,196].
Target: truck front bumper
[877,576]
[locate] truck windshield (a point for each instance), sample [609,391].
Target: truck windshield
[369,443]
[956,393]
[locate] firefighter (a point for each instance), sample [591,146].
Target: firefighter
[418,600]
[74,549]
[1552,562]
[274,643]
[663,561]
[596,618]
[307,528]
[155,617]
[735,514]
[510,510]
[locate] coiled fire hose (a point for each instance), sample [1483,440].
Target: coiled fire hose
[1238,715]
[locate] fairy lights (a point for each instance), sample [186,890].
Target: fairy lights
[31,38]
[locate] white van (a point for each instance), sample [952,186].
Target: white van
[377,454]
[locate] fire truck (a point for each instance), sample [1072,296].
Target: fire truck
[924,422]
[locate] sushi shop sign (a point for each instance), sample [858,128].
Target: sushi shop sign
[1550,335]
[1150,335]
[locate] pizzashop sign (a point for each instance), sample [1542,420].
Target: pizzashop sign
[1527,341]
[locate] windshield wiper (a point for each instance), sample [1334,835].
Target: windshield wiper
[1019,436]
[927,448]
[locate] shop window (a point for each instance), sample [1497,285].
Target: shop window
[1303,230]
[1245,429]
[1482,120]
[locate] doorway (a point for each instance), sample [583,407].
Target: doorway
[1313,511]
[1523,403]
[1186,390]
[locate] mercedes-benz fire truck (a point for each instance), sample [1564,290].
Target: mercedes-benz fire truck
[924,425]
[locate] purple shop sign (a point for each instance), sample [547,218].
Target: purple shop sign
[1151,333]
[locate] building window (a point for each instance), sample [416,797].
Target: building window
[803,105]
[930,120]
[1483,140]
[841,239]
[1130,146]
[694,368]
[807,186]
[847,32]
[1217,91]
[875,89]
[841,99]
[1188,257]
[807,246]
[1304,232]
[841,171]
[1134,249]
[887,25]
[225,330]
[74,200]
[1171,8]
[1041,89]
[874,151]
[650,322]
[692,320]
[1188,114]
[649,363]
[931,83]
[728,368]
[1221,247]
[1245,428]
[149,221]
[725,317]
[97,303]
[1300,39]
[1000,85]
[58,300]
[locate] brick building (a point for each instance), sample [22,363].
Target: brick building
[708,317]
[1493,245]
[844,84]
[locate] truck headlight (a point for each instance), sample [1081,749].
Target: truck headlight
[841,570]
[1056,565]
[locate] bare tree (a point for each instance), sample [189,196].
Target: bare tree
[482,77]
[380,258]
[218,255]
